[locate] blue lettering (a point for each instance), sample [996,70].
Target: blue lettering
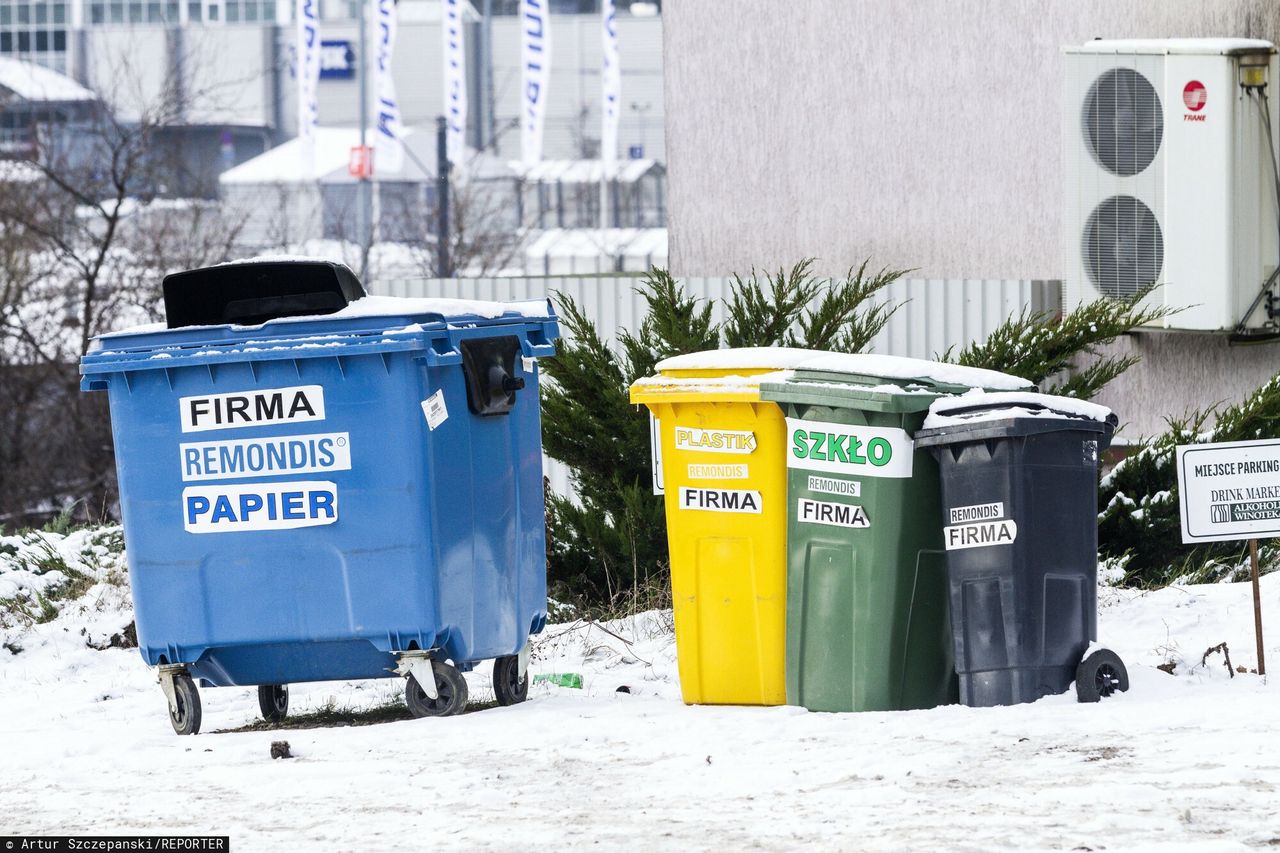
[191,460]
[322,502]
[222,510]
[196,505]
[249,503]
[291,503]
[325,446]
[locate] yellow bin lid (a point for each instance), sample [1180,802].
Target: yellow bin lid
[724,375]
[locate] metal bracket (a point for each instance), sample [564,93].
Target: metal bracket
[522,662]
[418,664]
[165,675]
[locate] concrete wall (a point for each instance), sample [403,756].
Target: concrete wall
[922,134]
[1181,372]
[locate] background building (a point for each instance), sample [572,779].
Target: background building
[924,135]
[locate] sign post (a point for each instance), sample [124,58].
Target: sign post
[1228,492]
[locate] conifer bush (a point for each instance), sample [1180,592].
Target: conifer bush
[1138,524]
[612,541]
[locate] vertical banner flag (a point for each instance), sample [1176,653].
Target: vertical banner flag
[535,63]
[307,71]
[388,153]
[611,78]
[455,80]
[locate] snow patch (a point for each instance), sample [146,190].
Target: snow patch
[1002,405]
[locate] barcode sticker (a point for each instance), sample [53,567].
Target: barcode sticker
[435,410]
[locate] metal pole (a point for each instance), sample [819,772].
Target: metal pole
[363,200]
[1257,604]
[443,269]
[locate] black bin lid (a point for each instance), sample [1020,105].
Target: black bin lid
[253,292]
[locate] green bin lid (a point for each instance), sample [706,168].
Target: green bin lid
[881,382]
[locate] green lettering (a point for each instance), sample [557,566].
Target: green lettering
[798,448]
[839,453]
[880,451]
[819,442]
[854,455]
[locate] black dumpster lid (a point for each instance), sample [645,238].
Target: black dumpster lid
[979,416]
[251,292]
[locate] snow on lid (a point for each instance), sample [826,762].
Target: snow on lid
[281,259]
[1173,46]
[1002,405]
[897,367]
[713,384]
[32,82]
[760,358]
[382,306]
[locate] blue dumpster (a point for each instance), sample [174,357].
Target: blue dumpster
[352,493]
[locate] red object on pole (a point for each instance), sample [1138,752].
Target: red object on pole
[360,164]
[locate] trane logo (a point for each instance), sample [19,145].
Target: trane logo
[252,408]
[960,536]
[720,500]
[834,514]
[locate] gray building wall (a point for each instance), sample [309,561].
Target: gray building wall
[921,134]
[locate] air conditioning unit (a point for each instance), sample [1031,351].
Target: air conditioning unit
[1170,179]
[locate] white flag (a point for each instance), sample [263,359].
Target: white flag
[387,148]
[455,80]
[535,60]
[307,71]
[611,78]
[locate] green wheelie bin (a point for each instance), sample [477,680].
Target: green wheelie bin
[867,617]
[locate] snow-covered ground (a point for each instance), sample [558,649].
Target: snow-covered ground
[1189,761]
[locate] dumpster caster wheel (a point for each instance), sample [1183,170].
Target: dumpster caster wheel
[1100,675]
[451,693]
[273,700]
[186,718]
[508,686]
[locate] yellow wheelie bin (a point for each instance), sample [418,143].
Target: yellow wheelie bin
[725,475]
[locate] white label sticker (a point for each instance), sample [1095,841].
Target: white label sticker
[528,363]
[832,486]
[729,471]
[435,410]
[259,506]
[977,512]
[980,535]
[257,457]
[847,449]
[834,514]
[715,440]
[252,408]
[720,500]
[655,455]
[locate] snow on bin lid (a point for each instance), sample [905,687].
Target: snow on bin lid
[740,358]
[897,367]
[977,406]
[683,389]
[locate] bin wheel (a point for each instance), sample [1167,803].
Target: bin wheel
[451,690]
[186,720]
[1100,675]
[273,700]
[508,686]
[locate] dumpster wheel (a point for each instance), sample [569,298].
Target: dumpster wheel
[509,686]
[451,693]
[184,708]
[273,701]
[1100,675]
